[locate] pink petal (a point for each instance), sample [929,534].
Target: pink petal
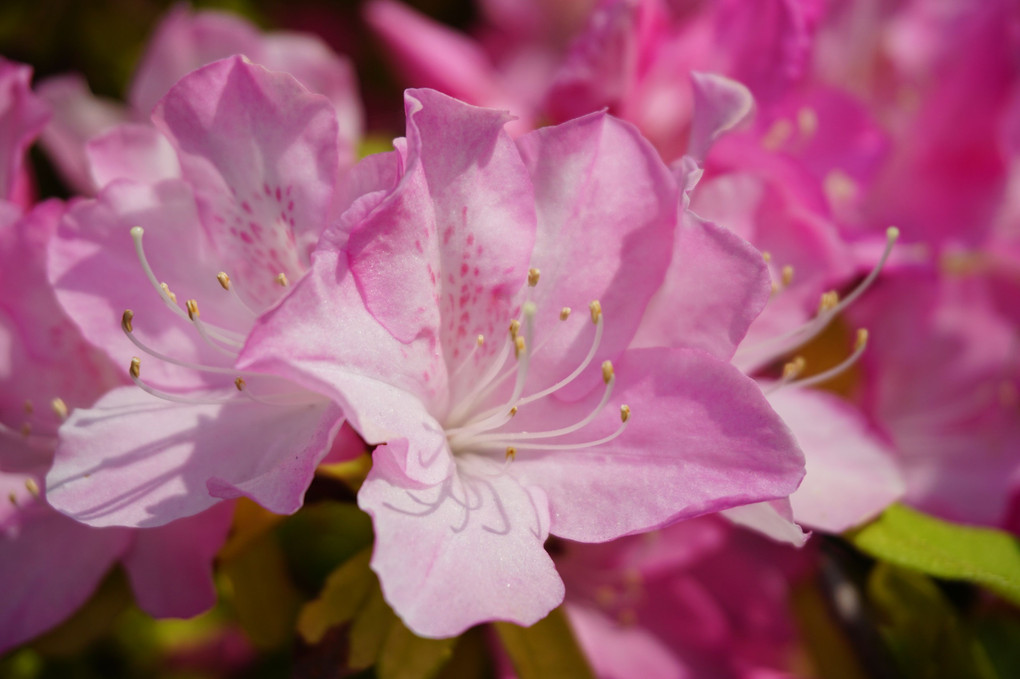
[618,651]
[131,151]
[720,104]
[49,564]
[134,460]
[715,287]
[850,474]
[22,117]
[261,152]
[465,551]
[170,567]
[78,116]
[773,519]
[607,206]
[701,438]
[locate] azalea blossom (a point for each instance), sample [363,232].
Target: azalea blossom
[472,313]
[211,240]
[183,41]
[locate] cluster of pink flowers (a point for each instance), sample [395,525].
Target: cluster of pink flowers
[760,273]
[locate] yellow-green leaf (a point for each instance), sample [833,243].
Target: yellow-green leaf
[546,649]
[407,656]
[341,597]
[906,537]
[369,630]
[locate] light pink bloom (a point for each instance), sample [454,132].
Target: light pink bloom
[257,157]
[22,116]
[184,41]
[49,563]
[493,444]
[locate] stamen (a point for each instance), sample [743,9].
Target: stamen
[513,411]
[239,383]
[480,340]
[624,413]
[766,255]
[596,311]
[511,452]
[830,305]
[12,496]
[794,368]
[281,279]
[59,408]
[32,487]
[128,331]
[125,321]
[26,429]
[135,370]
[787,275]
[564,313]
[224,280]
[860,345]
[169,292]
[192,309]
[515,327]
[533,275]
[607,372]
[519,346]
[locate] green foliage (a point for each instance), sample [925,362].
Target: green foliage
[908,538]
[546,649]
[320,537]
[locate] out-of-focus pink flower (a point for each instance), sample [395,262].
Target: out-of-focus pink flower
[22,116]
[184,41]
[698,599]
[493,442]
[225,234]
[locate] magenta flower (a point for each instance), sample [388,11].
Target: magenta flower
[184,41]
[258,161]
[490,441]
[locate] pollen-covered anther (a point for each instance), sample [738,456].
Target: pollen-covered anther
[624,413]
[520,346]
[515,327]
[787,275]
[59,408]
[511,452]
[193,309]
[169,292]
[33,488]
[135,370]
[792,369]
[861,340]
[607,372]
[240,383]
[533,275]
[13,498]
[767,256]
[513,411]
[828,301]
[281,279]
[480,340]
[126,320]
[224,280]
[564,313]
[596,311]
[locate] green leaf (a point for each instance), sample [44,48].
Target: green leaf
[369,630]
[321,537]
[341,598]
[922,629]
[407,656]
[546,649]
[909,538]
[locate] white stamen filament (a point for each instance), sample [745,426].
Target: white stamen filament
[859,346]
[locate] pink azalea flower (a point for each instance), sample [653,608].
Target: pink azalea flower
[489,442]
[257,158]
[22,115]
[184,41]
[697,599]
[47,369]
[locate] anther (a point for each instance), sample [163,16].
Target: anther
[239,383]
[126,320]
[26,429]
[480,340]
[624,413]
[281,278]
[136,367]
[794,368]
[33,488]
[828,301]
[513,411]
[169,292]
[224,280]
[59,408]
[607,372]
[13,498]
[511,452]
[596,311]
[29,408]
[533,275]
[767,256]
[564,313]
[862,339]
[787,275]
[192,309]
[515,327]
[519,346]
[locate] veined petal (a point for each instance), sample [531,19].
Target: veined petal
[131,151]
[133,460]
[701,438]
[461,552]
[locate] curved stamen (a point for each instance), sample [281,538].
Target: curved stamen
[127,326]
[624,420]
[859,346]
[135,373]
[225,283]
